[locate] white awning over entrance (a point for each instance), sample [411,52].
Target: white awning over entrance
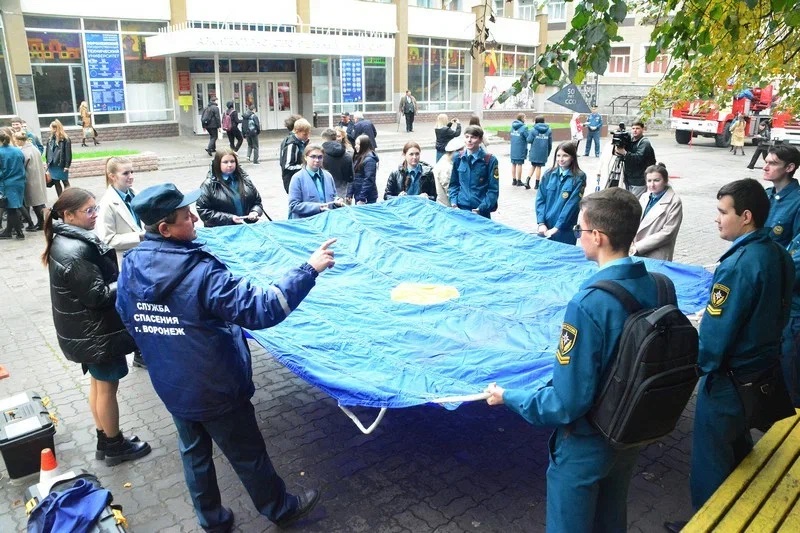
[194,39]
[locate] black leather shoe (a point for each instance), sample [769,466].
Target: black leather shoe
[138,360]
[676,526]
[224,527]
[306,501]
[120,449]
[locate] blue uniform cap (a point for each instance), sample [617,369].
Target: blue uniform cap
[157,202]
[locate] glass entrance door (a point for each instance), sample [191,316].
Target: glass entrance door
[279,105]
[203,91]
[245,94]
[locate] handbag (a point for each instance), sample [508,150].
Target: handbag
[48,180]
[764,396]
[88,132]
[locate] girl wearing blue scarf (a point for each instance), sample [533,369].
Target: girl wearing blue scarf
[559,196]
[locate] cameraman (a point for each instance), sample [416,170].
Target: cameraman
[638,156]
[445,131]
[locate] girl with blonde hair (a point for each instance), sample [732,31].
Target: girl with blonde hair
[58,156]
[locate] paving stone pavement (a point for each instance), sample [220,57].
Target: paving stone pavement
[424,469]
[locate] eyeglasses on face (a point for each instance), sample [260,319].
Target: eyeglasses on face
[577,229]
[315,156]
[91,210]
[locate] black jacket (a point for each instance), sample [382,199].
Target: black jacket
[214,116]
[83,290]
[638,158]
[339,163]
[215,205]
[397,182]
[59,153]
[445,135]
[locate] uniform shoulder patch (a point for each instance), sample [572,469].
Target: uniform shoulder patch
[497,172]
[719,294]
[566,342]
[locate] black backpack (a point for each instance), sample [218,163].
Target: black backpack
[205,118]
[654,373]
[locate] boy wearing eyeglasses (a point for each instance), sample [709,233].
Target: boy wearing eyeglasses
[587,480]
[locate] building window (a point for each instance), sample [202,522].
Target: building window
[439,73]
[620,62]
[556,11]
[6,100]
[499,7]
[125,85]
[659,66]
[501,68]
[527,9]
[376,88]
[432,4]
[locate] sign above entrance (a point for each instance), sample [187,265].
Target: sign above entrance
[195,41]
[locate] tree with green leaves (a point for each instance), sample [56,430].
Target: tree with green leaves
[717,47]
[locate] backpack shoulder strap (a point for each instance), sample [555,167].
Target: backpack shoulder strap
[666,290]
[487,157]
[619,292]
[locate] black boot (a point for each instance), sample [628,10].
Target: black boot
[96,142]
[83,143]
[11,225]
[38,210]
[119,449]
[536,186]
[26,217]
[528,183]
[138,360]
[102,442]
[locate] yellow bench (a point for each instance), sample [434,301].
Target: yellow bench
[763,493]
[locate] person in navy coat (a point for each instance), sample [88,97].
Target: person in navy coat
[558,200]
[540,138]
[312,189]
[519,147]
[784,196]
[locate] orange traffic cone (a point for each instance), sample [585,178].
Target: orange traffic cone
[49,467]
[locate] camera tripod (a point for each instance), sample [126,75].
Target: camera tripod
[616,172]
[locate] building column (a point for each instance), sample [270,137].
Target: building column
[541,20]
[305,93]
[19,63]
[400,63]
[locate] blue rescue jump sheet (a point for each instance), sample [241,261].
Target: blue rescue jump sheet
[498,296]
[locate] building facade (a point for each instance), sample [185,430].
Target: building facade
[148,68]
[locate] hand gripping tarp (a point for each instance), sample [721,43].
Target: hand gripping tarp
[368,334]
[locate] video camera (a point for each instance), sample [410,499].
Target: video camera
[621,139]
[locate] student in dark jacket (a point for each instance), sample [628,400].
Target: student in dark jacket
[251,127]
[227,195]
[540,138]
[58,156]
[292,148]
[364,190]
[337,161]
[445,131]
[212,120]
[83,290]
[235,138]
[364,127]
[413,177]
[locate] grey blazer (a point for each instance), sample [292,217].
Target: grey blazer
[658,229]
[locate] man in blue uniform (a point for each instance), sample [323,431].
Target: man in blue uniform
[186,312]
[784,196]
[594,124]
[740,331]
[475,178]
[790,349]
[587,480]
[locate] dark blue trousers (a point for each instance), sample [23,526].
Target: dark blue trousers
[592,136]
[790,358]
[238,437]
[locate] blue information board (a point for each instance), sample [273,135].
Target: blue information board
[104,60]
[352,79]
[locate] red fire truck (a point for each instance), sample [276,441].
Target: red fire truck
[786,128]
[704,118]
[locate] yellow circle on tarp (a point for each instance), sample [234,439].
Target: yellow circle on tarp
[424,293]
